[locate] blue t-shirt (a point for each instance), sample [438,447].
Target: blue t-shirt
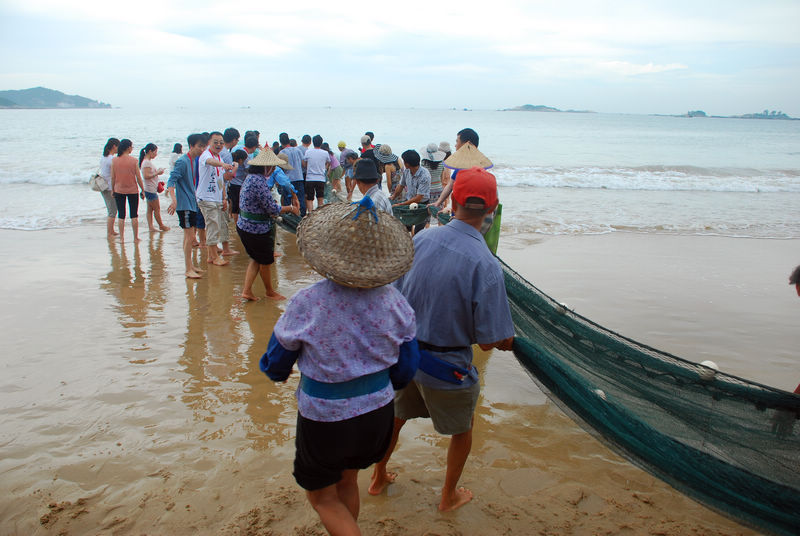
[182,179]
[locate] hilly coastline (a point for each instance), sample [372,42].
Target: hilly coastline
[42,97]
[541,108]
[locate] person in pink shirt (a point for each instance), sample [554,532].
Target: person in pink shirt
[127,185]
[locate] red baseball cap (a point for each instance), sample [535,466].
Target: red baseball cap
[477,183]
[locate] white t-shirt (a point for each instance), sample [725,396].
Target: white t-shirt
[105,168]
[316,158]
[211,184]
[150,185]
[173,157]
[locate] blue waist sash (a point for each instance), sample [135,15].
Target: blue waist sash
[363,385]
[441,369]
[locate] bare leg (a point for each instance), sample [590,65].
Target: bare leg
[157,215]
[226,249]
[135,225]
[347,490]
[214,257]
[201,234]
[121,227]
[150,210]
[380,476]
[110,232]
[249,278]
[334,514]
[188,241]
[457,453]
[320,201]
[265,277]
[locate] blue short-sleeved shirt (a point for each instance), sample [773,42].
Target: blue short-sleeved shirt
[182,179]
[456,289]
[295,155]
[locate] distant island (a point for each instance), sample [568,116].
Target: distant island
[766,114]
[540,108]
[42,97]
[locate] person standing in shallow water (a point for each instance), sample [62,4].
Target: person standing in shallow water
[126,181]
[151,175]
[256,226]
[109,152]
[180,189]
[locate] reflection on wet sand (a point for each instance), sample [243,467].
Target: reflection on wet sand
[159,421]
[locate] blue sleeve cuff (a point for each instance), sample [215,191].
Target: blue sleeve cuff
[277,362]
[402,372]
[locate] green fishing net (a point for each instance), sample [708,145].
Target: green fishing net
[729,443]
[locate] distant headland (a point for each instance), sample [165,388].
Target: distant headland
[766,114]
[541,108]
[42,97]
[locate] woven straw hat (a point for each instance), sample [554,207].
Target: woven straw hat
[286,165]
[354,245]
[468,156]
[267,158]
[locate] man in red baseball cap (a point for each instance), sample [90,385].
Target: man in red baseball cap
[476,189]
[456,289]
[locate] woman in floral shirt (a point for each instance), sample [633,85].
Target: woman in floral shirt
[354,341]
[255,225]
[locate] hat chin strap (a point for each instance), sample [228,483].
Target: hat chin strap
[365,205]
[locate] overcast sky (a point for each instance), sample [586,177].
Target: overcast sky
[724,57]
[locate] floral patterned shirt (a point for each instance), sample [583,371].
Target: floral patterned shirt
[255,197]
[344,333]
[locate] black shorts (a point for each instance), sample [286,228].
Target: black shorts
[187,219]
[260,247]
[314,189]
[233,196]
[325,449]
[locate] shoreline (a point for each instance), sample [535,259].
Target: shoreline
[135,395]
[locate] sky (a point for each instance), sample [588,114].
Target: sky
[724,57]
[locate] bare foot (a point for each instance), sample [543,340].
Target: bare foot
[249,296]
[153,230]
[461,497]
[164,228]
[275,296]
[276,254]
[378,483]
[199,270]
[219,261]
[195,244]
[193,275]
[230,252]
[137,240]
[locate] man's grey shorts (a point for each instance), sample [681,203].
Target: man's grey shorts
[450,410]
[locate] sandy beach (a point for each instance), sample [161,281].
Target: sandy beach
[133,402]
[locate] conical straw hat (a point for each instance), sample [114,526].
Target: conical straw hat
[355,245]
[468,156]
[267,158]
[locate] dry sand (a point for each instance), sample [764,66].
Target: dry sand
[132,401]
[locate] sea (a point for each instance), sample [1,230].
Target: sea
[558,173]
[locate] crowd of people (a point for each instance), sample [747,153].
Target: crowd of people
[404,348]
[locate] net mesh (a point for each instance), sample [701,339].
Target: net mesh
[732,444]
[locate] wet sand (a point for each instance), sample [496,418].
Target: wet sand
[132,401]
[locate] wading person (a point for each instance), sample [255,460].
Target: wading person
[455,308]
[256,225]
[352,336]
[180,188]
[126,182]
[212,200]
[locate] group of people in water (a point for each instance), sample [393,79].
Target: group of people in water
[387,335]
